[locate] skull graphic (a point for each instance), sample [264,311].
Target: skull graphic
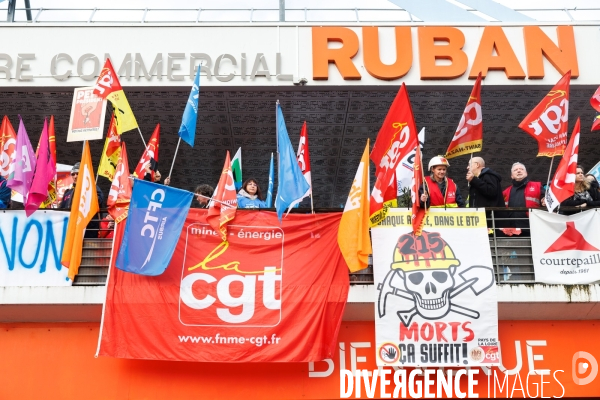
[430,290]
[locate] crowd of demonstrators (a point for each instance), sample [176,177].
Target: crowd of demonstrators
[586,195]
[202,196]
[522,193]
[250,195]
[440,191]
[92,229]
[5,193]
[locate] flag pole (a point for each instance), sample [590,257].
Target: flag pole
[549,172]
[312,209]
[175,156]
[143,141]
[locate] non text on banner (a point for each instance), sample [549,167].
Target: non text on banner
[566,249]
[30,248]
[436,295]
[269,293]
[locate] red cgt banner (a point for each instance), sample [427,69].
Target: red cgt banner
[270,293]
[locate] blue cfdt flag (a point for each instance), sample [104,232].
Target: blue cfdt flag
[156,216]
[291,183]
[271,180]
[187,130]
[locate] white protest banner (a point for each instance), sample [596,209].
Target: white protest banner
[565,249]
[435,302]
[31,248]
[87,115]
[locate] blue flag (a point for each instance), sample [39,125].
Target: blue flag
[291,183]
[595,171]
[156,216]
[271,179]
[187,130]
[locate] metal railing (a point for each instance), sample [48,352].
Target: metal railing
[511,255]
[268,15]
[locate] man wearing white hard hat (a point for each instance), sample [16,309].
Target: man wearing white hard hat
[441,191]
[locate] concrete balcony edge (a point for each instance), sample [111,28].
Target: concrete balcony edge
[515,302]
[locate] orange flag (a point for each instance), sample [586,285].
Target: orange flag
[119,196]
[418,213]
[396,138]
[83,209]
[353,234]
[468,137]
[548,123]
[223,205]
[150,156]
[8,147]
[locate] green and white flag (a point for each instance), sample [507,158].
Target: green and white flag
[236,168]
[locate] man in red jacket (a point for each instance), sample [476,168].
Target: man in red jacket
[522,193]
[441,190]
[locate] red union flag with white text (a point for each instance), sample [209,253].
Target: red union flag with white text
[563,185]
[119,196]
[549,121]
[8,148]
[396,138]
[150,156]
[223,205]
[468,137]
[270,293]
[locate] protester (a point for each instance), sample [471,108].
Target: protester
[250,195]
[441,191]
[593,182]
[484,185]
[91,231]
[585,196]
[157,175]
[5,194]
[522,193]
[107,227]
[203,194]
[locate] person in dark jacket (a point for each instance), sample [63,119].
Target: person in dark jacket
[91,230]
[585,195]
[5,193]
[484,185]
[522,193]
[485,190]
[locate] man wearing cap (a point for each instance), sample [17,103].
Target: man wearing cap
[522,193]
[441,191]
[93,227]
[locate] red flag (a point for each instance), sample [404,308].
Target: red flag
[223,205]
[549,120]
[418,213]
[119,196]
[51,199]
[303,157]
[396,138]
[595,102]
[563,184]
[45,171]
[468,137]
[150,156]
[8,147]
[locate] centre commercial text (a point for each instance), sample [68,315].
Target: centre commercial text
[494,52]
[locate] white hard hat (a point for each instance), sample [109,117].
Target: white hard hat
[438,160]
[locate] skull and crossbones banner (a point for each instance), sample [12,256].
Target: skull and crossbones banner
[435,297]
